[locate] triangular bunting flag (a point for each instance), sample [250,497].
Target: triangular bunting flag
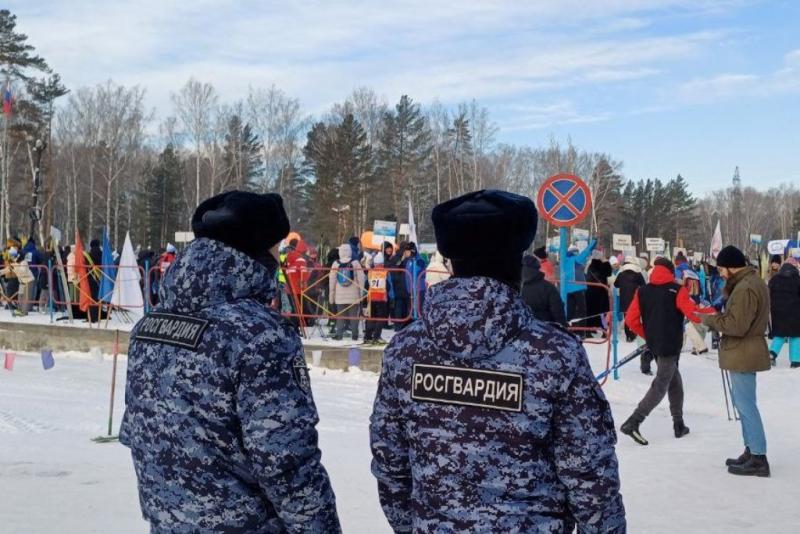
[47,359]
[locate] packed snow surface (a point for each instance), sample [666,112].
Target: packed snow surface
[55,479]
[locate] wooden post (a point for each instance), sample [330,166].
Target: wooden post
[113,384]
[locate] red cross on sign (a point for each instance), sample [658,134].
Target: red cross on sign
[564,200]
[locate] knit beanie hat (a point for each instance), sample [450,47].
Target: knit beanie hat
[731,257]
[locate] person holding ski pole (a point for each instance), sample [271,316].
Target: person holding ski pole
[656,315]
[743,352]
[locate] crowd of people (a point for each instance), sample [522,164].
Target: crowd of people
[383,286]
[28,271]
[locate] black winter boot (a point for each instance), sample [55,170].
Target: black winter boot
[795,365]
[740,460]
[773,358]
[631,428]
[756,466]
[680,428]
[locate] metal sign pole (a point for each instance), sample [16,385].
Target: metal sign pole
[563,233]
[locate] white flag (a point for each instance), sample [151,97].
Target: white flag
[716,242]
[412,226]
[127,291]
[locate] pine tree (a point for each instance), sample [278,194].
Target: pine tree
[325,201]
[160,199]
[680,210]
[16,55]
[403,157]
[44,92]
[242,155]
[459,140]
[354,157]
[17,59]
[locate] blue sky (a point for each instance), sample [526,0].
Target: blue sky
[668,86]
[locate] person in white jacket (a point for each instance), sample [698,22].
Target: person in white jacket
[438,270]
[346,287]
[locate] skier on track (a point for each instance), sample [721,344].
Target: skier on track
[219,414]
[486,419]
[656,315]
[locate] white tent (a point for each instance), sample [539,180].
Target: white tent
[127,289]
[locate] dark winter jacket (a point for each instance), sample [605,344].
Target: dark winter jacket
[31,254]
[219,414]
[628,280]
[597,300]
[397,276]
[657,311]
[540,295]
[487,420]
[784,298]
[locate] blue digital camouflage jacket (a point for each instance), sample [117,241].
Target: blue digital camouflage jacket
[487,420]
[219,414]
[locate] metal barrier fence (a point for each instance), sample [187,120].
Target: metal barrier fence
[100,280]
[22,287]
[304,297]
[610,331]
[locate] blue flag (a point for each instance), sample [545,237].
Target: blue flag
[47,359]
[109,271]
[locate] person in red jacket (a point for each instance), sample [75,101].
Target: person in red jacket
[656,314]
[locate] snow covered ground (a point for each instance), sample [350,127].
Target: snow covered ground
[54,479]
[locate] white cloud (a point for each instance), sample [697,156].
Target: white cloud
[535,117]
[320,50]
[728,86]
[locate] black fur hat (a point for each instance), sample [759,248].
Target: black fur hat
[249,222]
[484,233]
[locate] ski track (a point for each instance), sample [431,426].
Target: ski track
[56,480]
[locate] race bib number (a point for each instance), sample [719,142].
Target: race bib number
[377,283]
[463,386]
[171,329]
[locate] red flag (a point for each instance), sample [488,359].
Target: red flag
[9,362]
[82,275]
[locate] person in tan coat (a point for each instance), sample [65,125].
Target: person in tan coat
[743,352]
[347,290]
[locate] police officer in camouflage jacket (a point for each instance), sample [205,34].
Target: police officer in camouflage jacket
[219,414]
[486,419]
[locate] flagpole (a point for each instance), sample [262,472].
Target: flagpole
[4,230]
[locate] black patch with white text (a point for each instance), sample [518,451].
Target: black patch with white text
[172,329]
[463,386]
[300,372]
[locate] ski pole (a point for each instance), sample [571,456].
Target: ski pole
[630,357]
[730,390]
[579,319]
[725,392]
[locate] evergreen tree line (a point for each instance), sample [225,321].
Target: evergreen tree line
[111,163]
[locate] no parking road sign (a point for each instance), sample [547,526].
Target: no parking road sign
[564,200]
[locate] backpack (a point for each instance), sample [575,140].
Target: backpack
[341,278]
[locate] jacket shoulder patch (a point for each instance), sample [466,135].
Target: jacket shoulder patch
[172,329]
[464,386]
[300,373]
